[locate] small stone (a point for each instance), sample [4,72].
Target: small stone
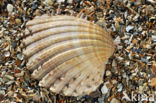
[18,21]
[125,37]
[106,87]
[101,22]
[2,95]
[150,8]
[95,94]
[49,2]
[19,56]
[120,86]
[7,54]
[36,98]
[136,18]
[114,63]
[154,38]
[140,28]
[141,89]
[18,62]
[128,28]
[144,60]
[114,81]
[70,1]
[154,66]
[10,8]
[13,44]
[114,100]
[1,33]
[101,100]
[9,82]
[124,75]
[10,93]
[2,92]
[134,41]
[19,74]
[59,1]
[3,73]
[108,73]
[117,40]
[127,63]
[120,47]
[9,77]
[120,58]
[152,1]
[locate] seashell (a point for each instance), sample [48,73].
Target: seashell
[67,54]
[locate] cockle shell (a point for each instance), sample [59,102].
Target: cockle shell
[67,54]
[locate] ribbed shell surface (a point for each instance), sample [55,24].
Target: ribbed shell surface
[67,54]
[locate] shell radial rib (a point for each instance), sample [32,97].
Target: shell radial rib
[67,54]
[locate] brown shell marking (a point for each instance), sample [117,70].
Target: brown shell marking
[67,54]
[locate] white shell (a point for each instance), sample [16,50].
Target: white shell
[67,54]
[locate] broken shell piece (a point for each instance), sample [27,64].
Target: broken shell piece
[67,54]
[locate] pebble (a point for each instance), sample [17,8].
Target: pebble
[117,40]
[3,73]
[152,1]
[48,2]
[36,98]
[19,74]
[136,18]
[1,41]
[101,100]
[10,93]
[2,92]
[10,8]
[120,86]
[144,60]
[127,63]
[19,56]
[106,87]
[9,77]
[114,81]
[9,82]
[2,95]
[120,58]
[150,8]
[18,21]
[70,1]
[59,1]
[141,88]
[128,28]
[7,54]
[124,75]
[114,64]
[125,37]
[114,100]
[120,47]
[108,73]
[154,38]
[134,41]
[140,28]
